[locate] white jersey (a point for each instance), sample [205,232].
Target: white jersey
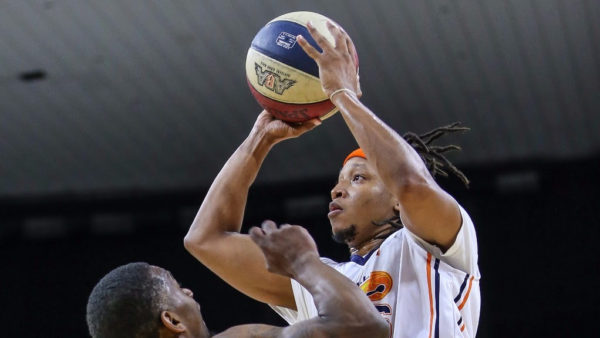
[419,290]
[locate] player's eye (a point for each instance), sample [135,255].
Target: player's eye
[358,178]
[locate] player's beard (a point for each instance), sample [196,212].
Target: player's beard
[346,235]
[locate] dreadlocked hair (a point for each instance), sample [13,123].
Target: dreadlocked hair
[435,161]
[394,221]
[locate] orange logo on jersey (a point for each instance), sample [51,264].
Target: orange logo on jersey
[378,285]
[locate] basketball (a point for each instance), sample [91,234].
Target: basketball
[281,76]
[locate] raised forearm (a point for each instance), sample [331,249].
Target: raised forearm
[223,207]
[214,237]
[397,163]
[427,210]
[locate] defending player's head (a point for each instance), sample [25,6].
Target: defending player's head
[362,209]
[140,300]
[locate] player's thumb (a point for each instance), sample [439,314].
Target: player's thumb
[309,125]
[257,235]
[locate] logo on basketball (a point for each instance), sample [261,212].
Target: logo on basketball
[378,285]
[272,81]
[286,40]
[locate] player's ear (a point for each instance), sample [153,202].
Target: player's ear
[172,322]
[397,207]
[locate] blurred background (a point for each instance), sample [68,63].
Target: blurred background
[115,117]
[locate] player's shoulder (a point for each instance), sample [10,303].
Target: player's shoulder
[250,330]
[393,245]
[395,238]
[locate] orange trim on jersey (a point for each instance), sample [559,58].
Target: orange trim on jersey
[467,294]
[462,328]
[430,296]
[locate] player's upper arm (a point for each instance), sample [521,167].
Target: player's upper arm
[237,260]
[429,212]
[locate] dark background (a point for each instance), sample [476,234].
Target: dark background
[536,244]
[115,117]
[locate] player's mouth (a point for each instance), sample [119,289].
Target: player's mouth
[334,209]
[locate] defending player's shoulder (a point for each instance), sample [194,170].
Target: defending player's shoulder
[251,331]
[304,329]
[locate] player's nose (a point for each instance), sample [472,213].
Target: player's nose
[337,191]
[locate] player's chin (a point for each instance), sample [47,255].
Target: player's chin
[337,224]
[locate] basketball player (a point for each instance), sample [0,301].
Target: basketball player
[413,247]
[140,300]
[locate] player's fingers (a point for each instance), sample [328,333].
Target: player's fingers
[268,226]
[308,125]
[351,48]
[319,38]
[338,34]
[308,49]
[265,113]
[257,235]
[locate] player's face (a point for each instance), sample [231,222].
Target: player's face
[358,199]
[183,303]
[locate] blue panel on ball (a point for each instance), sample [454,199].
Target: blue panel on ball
[277,40]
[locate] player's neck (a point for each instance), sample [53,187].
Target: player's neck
[373,242]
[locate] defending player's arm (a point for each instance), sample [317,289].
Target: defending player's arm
[344,310]
[214,237]
[426,209]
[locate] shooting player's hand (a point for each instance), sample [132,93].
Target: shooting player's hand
[337,68]
[275,130]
